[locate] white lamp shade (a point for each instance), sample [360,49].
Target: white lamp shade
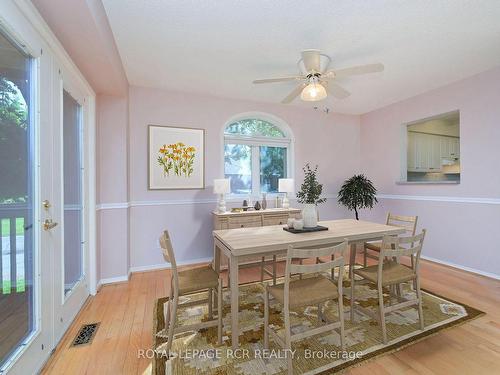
[286,185]
[222,186]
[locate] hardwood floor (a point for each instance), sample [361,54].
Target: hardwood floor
[14,325]
[126,314]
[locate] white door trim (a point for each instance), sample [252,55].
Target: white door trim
[62,57]
[27,25]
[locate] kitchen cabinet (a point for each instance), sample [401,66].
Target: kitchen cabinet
[426,151]
[450,147]
[455,148]
[434,143]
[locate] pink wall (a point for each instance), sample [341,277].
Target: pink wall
[478,100]
[332,141]
[112,187]
[461,231]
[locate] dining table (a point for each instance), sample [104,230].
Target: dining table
[242,244]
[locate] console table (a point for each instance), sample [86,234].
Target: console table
[253,218]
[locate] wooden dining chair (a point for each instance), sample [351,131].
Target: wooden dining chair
[409,223]
[308,291]
[188,282]
[273,262]
[389,272]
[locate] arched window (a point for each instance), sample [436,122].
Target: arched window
[257,152]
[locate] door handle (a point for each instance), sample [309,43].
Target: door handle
[48,224]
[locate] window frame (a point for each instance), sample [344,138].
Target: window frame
[255,142]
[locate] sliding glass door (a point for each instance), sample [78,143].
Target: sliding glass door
[17,215]
[73,205]
[71,271]
[44,218]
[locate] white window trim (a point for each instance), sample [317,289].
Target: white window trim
[287,142]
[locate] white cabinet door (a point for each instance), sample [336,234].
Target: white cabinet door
[450,147]
[445,146]
[411,153]
[434,143]
[422,152]
[455,147]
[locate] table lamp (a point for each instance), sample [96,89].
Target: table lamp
[222,187]
[286,185]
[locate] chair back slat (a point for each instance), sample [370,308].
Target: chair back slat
[303,253]
[168,255]
[314,268]
[394,247]
[300,253]
[409,223]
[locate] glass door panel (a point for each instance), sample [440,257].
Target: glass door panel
[238,167]
[17,284]
[272,168]
[72,171]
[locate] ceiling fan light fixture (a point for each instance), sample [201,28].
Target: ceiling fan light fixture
[313,92]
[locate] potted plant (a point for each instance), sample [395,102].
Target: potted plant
[310,196]
[356,193]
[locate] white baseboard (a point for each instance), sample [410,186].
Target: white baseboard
[112,280]
[463,268]
[163,266]
[151,267]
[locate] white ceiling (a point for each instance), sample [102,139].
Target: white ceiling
[219,47]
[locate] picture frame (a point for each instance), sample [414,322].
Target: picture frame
[176,158]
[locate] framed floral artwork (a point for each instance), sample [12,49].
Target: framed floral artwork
[176,158]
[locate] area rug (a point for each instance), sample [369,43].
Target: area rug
[198,352]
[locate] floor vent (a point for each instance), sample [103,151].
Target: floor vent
[86,334]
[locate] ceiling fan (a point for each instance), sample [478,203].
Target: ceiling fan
[316,82]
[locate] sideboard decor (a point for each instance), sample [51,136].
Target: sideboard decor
[317,228]
[176,158]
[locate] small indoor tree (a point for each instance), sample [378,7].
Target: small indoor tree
[356,193]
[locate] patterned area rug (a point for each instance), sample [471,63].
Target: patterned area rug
[198,352]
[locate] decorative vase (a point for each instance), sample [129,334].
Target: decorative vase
[309,215]
[264,201]
[257,206]
[298,224]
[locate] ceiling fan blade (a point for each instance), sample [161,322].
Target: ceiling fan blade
[311,60]
[335,90]
[296,92]
[356,70]
[280,79]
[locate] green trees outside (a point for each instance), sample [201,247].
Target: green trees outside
[272,159]
[13,139]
